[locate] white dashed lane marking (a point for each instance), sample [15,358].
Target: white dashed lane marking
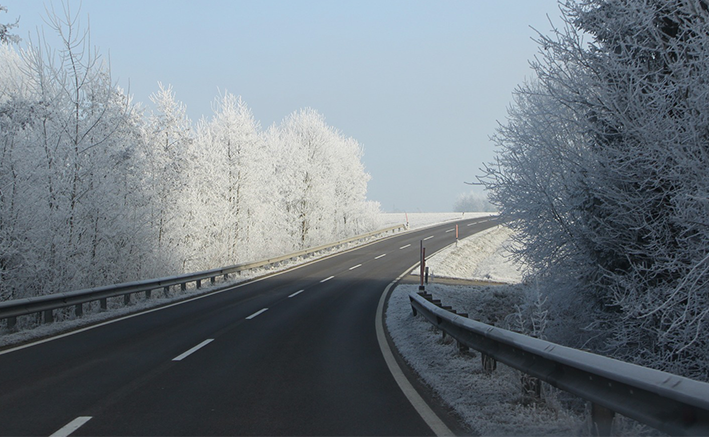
[380,256]
[72,426]
[404,247]
[327,279]
[296,293]
[428,238]
[193,350]
[355,267]
[257,313]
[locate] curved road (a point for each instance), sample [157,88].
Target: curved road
[294,353]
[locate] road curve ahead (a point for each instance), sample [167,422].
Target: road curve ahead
[295,353]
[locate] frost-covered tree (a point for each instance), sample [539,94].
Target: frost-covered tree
[235,172]
[473,202]
[15,115]
[304,167]
[352,212]
[603,169]
[5,35]
[323,182]
[67,140]
[168,139]
[94,191]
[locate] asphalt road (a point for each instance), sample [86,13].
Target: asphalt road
[292,354]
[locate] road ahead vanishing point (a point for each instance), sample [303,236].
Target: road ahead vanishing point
[294,353]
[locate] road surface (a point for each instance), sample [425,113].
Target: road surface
[295,353]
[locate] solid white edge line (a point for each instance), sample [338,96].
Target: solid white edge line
[428,238]
[427,414]
[356,267]
[296,293]
[72,426]
[326,279]
[404,247]
[257,313]
[380,256]
[186,354]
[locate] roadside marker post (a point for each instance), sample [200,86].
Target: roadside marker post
[422,265]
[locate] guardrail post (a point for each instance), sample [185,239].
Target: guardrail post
[425,295]
[601,420]
[488,362]
[79,309]
[148,293]
[104,304]
[199,284]
[212,280]
[49,316]
[11,323]
[183,286]
[166,291]
[226,276]
[531,386]
[126,299]
[462,348]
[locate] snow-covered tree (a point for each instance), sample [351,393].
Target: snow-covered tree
[231,184]
[323,182]
[168,138]
[603,168]
[66,147]
[93,191]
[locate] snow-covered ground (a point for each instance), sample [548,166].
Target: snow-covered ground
[489,404]
[418,220]
[484,257]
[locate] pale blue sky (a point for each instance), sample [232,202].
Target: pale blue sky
[420,84]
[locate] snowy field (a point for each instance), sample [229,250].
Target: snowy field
[489,404]
[419,220]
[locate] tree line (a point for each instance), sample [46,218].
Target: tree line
[603,169]
[95,189]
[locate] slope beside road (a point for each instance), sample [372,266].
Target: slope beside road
[294,353]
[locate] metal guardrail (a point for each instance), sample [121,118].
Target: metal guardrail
[12,309]
[670,403]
